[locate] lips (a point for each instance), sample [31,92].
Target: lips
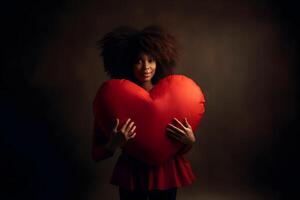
[146,74]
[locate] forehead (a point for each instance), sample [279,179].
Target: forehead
[145,55]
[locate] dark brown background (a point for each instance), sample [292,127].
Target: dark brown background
[243,54]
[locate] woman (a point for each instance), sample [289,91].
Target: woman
[143,57]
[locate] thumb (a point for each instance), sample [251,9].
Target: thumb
[186,122]
[116,126]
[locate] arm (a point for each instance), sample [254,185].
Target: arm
[103,147]
[185,149]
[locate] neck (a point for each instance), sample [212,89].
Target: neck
[146,85]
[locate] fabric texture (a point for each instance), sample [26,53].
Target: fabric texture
[133,174]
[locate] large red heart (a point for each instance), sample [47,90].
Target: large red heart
[173,96]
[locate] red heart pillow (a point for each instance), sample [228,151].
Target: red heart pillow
[173,96]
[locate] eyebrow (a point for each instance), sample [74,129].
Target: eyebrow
[148,55]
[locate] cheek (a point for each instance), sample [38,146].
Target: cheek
[154,69]
[136,70]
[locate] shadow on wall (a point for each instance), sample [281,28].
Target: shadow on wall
[35,142]
[34,164]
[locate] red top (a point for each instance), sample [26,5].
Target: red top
[133,174]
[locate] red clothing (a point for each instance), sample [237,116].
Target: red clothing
[133,174]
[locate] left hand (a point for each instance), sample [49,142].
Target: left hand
[184,134]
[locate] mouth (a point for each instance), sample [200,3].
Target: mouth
[146,74]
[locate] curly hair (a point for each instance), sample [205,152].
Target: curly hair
[122,47]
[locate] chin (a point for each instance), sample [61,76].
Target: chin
[146,79]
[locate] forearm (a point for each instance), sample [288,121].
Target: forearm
[100,153]
[185,149]
[103,151]
[111,147]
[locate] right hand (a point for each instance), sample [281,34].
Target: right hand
[121,136]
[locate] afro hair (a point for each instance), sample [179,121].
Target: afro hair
[121,48]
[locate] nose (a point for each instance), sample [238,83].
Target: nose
[146,65]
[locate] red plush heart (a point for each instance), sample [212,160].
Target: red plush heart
[173,96]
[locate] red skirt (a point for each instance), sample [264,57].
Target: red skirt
[132,174]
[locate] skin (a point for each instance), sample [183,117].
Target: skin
[144,71]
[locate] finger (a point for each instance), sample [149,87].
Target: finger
[132,130]
[116,126]
[172,133]
[169,129]
[176,129]
[187,123]
[179,123]
[125,125]
[174,136]
[133,135]
[129,133]
[129,126]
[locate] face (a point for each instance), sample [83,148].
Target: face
[145,68]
